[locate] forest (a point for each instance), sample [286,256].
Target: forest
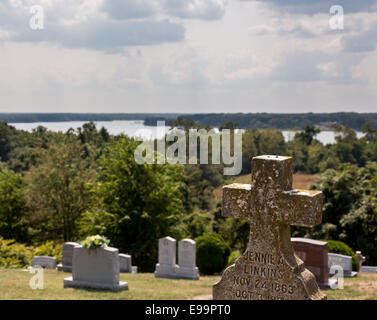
[65,186]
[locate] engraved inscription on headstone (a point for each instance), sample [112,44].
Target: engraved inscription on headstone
[268,269]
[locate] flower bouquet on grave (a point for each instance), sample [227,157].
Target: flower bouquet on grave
[96,241]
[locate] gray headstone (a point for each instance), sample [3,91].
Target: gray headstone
[95,268]
[125,263]
[187,259]
[66,264]
[340,260]
[166,266]
[44,262]
[368,269]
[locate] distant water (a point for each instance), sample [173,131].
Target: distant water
[137,128]
[325,137]
[131,128]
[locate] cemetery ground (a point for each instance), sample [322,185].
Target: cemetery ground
[144,286]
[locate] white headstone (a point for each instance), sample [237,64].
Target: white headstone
[95,268]
[344,261]
[44,262]
[187,259]
[166,266]
[66,264]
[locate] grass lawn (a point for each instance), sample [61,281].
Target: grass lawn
[144,286]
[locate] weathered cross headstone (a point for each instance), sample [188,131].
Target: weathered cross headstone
[166,266]
[314,254]
[187,259]
[44,262]
[95,268]
[268,269]
[360,259]
[66,264]
[343,261]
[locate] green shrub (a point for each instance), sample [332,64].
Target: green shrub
[51,249]
[212,253]
[14,255]
[17,255]
[233,257]
[340,247]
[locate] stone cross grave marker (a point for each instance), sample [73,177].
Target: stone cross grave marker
[269,269]
[187,259]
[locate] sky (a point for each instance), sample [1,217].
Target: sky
[188,56]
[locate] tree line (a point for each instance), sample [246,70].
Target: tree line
[66,186]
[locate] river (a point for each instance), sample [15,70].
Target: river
[137,128]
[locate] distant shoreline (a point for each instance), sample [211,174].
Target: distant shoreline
[282,121]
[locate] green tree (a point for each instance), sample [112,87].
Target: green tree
[12,206]
[350,207]
[57,192]
[134,205]
[307,136]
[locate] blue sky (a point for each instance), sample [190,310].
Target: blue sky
[188,56]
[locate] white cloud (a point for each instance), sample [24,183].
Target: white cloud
[84,24]
[196,9]
[135,56]
[130,9]
[319,6]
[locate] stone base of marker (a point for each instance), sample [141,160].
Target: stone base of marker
[70,283]
[367,269]
[166,271]
[352,274]
[188,273]
[95,269]
[176,272]
[60,267]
